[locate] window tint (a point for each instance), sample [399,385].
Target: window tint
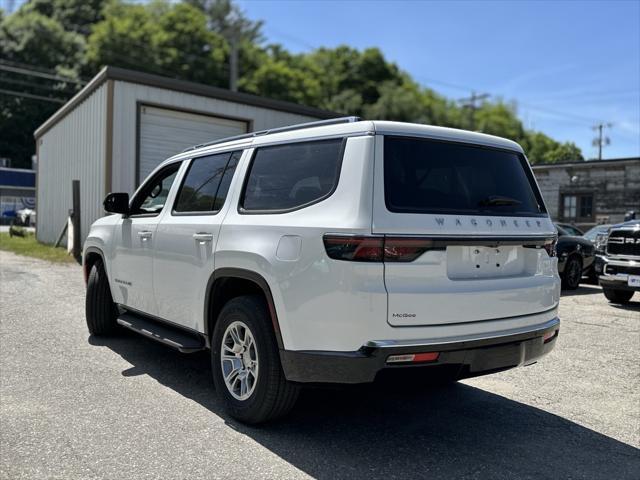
[223,189]
[206,183]
[426,176]
[283,177]
[154,193]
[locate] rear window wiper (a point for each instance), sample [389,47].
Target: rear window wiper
[497,200]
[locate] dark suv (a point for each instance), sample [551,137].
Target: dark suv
[576,256]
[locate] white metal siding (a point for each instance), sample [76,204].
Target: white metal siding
[73,149]
[165,132]
[126,97]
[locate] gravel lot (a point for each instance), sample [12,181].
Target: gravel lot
[78,407]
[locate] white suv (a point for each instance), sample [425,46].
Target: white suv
[330,252]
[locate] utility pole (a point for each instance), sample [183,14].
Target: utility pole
[233,33]
[233,62]
[470,103]
[601,141]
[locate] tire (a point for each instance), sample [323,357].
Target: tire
[572,273]
[101,312]
[618,296]
[267,394]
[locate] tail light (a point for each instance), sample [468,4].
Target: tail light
[550,246]
[354,248]
[399,249]
[375,249]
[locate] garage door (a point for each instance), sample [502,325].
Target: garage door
[165,132]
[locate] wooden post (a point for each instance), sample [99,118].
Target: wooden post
[77,246]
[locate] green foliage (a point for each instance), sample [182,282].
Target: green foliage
[275,79]
[192,40]
[171,40]
[73,15]
[33,38]
[562,153]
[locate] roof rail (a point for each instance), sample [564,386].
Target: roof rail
[299,126]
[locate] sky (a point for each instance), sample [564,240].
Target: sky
[568,65]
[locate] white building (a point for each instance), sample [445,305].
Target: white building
[123,123]
[590,192]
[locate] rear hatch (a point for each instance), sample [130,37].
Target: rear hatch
[466,233]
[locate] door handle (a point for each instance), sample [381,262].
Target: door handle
[203,237]
[145,234]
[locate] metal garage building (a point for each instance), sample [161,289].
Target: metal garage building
[123,123]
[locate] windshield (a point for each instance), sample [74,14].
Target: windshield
[429,176]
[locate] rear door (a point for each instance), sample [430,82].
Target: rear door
[464,229]
[186,238]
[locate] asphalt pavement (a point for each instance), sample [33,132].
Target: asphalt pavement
[73,406]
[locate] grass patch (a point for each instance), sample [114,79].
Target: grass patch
[29,246]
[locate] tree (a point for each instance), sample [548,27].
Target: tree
[275,79]
[563,153]
[396,102]
[170,40]
[73,15]
[242,34]
[125,38]
[31,40]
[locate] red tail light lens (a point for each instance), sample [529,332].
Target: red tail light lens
[354,248]
[399,249]
[550,246]
[375,249]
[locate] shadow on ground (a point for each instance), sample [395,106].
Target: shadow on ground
[633,306]
[582,290]
[380,432]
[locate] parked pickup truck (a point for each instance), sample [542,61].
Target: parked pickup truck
[328,253]
[620,276]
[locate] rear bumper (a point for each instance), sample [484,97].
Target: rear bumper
[474,356]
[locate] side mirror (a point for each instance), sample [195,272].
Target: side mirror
[117,203]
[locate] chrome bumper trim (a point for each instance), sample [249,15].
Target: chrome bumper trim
[554,322]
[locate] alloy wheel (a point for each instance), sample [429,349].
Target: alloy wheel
[239,360]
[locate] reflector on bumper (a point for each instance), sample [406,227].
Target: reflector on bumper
[547,337]
[414,357]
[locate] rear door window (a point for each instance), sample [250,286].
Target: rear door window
[206,183]
[287,177]
[429,176]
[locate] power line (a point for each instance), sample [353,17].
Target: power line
[34,73]
[38,68]
[31,95]
[529,106]
[34,85]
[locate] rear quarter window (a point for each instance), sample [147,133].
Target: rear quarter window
[287,177]
[430,176]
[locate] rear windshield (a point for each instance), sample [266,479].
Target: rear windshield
[430,176]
